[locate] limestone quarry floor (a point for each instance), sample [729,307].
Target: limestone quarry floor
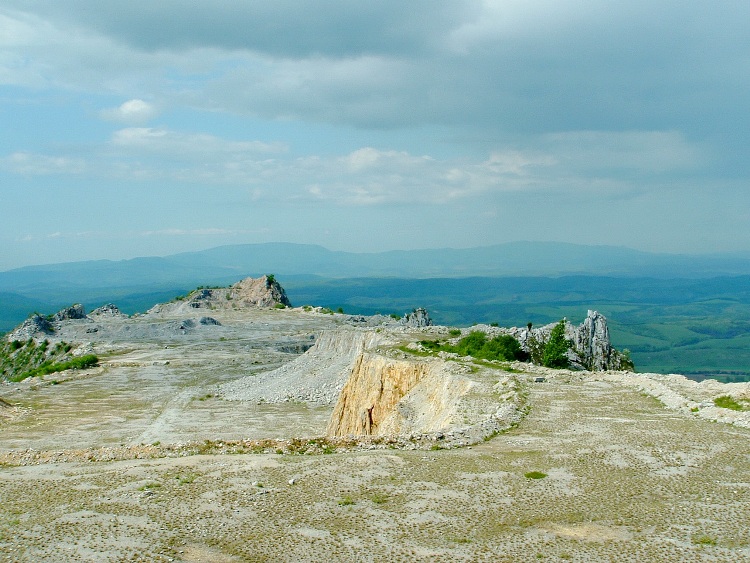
[626,480]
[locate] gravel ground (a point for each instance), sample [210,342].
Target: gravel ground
[626,480]
[620,475]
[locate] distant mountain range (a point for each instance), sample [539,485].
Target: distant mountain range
[509,259]
[135,283]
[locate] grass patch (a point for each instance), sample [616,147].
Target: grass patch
[415,352]
[535,475]
[149,486]
[346,501]
[82,362]
[379,498]
[185,478]
[500,366]
[727,402]
[703,539]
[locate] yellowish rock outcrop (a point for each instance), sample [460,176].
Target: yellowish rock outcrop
[394,396]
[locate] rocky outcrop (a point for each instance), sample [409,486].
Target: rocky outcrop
[417,318]
[387,396]
[264,291]
[392,396]
[35,326]
[591,348]
[255,293]
[73,312]
[109,310]
[316,376]
[371,394]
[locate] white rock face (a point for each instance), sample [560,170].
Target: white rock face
[316,376]
[592,344]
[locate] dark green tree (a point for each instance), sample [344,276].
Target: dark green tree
[555,351]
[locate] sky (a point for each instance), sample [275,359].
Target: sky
[146,128]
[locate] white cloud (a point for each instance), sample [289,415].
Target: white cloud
[26,163]
[610,164]
[186,145]
[133,111]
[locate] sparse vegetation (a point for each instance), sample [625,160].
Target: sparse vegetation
[379,498]
[21,360]
[704,539]
[535,475]
[346,501]
[727,402]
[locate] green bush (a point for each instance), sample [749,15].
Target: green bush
[555,351]
[82,362]
[475,344]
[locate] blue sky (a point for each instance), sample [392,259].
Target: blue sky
[147,128]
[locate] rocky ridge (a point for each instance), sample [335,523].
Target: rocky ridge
[262,293]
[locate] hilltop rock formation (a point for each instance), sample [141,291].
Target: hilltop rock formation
[264,291]
[74,312]
[109,310]
[417,318]
[254,293]
[591,348]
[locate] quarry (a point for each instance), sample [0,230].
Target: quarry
[228,425]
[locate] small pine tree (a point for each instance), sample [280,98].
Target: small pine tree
[555,351]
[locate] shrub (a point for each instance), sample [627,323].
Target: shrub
[555,351]
[535,475]
[475,344]
[454,332]
[48,367]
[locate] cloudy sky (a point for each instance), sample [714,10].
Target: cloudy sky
[147,128]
